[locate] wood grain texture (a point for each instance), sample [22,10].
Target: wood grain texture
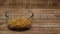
[45,21]
[30,4]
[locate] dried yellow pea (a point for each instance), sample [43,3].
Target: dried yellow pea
[19,22]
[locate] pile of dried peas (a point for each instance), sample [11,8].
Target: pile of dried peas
[19,22]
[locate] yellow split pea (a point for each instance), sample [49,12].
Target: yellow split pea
[19,22]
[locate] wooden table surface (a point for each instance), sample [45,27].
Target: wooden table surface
[45,21]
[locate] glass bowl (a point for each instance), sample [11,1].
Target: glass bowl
[19,20]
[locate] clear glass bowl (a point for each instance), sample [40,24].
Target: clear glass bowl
[19,20]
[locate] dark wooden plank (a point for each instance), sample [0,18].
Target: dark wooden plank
[34,31]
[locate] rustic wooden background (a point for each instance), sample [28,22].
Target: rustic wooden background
[46,19]
[30,4]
